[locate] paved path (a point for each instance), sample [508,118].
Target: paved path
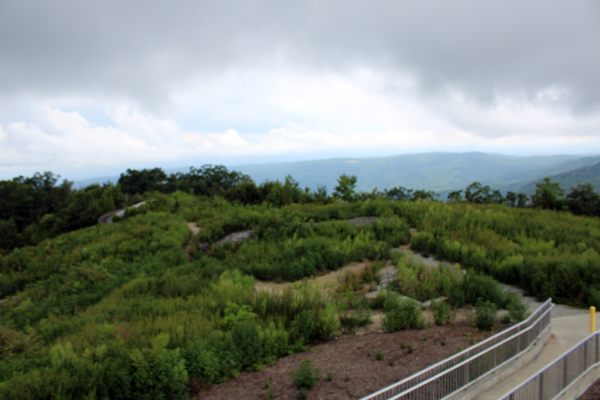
[568,327]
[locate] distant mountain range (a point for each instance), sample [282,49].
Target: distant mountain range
[441,172]
[569,179]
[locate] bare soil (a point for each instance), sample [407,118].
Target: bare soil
[593,393]
[348,366]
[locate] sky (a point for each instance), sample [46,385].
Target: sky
[93,88]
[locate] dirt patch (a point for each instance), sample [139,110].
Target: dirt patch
[349,367]
[593,393]
[194,228]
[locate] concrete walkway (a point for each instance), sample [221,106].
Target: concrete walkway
[568,327]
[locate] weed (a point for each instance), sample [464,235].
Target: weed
[347,378]
[442,312]
[391,362]
[443,342]
[303,393]
[267,383]
[516,308]
[306,376]
[425,338]
[270,395]
[401,315]
[484,317]
[330,376]
[379,355]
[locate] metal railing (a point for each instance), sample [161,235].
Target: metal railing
[453,373]
[556,377]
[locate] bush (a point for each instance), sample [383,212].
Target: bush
[477,286]
[306,376]
[404,314]
[442,312]
[484,317]
[516,308]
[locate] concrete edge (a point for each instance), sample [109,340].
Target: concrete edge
[488,380]
[580,385]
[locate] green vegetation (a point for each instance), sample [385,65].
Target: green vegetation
[123,311]
[442,312]
[305,377]
[484,317]
[401,314]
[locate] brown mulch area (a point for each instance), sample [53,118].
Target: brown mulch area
[351,364]
[593,393]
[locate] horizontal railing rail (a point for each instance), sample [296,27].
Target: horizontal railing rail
[450,364]
[559,374]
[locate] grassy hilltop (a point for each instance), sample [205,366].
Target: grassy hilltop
[131,310]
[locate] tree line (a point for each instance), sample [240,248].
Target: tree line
[39,207]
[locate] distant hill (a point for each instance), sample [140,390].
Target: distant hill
[569,179]
[442,172]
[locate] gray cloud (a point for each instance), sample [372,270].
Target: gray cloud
[144,50]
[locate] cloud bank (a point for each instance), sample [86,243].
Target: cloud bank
[143,83]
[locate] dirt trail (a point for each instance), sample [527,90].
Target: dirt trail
[195,229]
[327,281]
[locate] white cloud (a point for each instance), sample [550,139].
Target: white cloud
[284,112]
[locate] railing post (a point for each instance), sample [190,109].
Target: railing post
[596,348]
[542,386]
[585,348]
[495,357]
[565,365]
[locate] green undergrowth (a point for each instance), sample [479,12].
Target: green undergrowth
[118,311]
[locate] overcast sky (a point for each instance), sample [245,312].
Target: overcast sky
[92,88]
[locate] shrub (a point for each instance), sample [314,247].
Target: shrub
[442,312]
[403,314]
[484,317]
[477,286]
[516,308]
[306,376]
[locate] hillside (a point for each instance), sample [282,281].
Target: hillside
[431,171]
[569,179]
[145,307]
[442,172]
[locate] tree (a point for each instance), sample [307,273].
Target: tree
[422,194]
[345,189]
[134,181]
[475,193]
[583,200]
[455,195]
[548,195]
[399,193]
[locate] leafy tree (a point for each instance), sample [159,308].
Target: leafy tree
[455,195]
[399,193]
[424,195]
[475,193]
[548,195]
[8,234]
[583,200]
[134,181]
[321,194]
[245,192]
[345,189]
